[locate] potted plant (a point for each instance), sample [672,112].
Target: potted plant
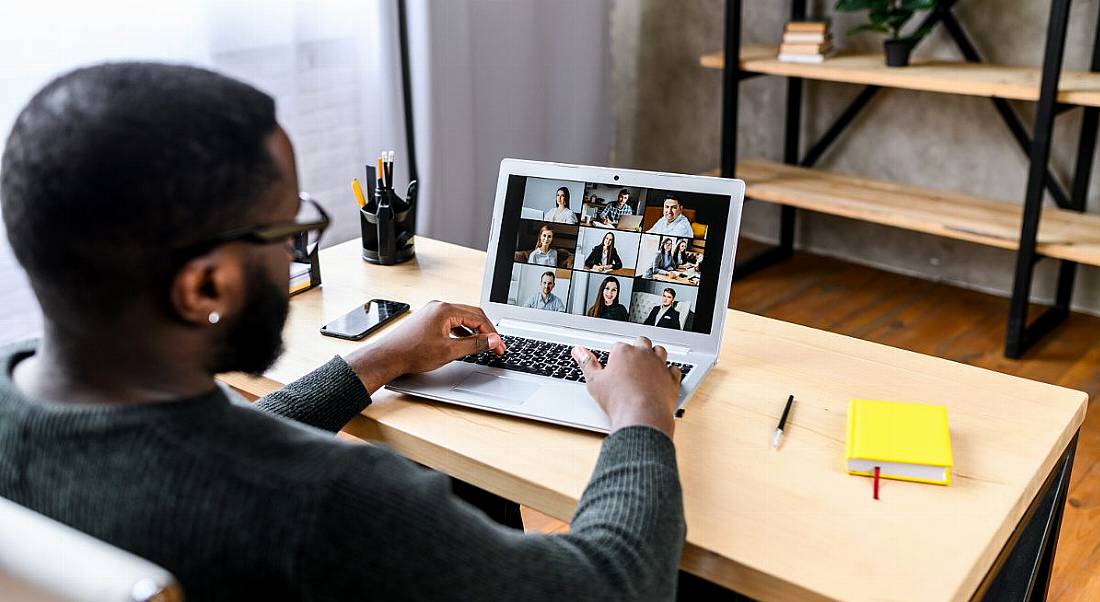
[889,16]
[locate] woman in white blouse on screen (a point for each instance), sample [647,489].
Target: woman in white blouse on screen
[543,254]
[561,213]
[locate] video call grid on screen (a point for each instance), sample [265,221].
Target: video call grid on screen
[613,252]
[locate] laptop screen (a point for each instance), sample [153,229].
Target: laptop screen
[612,252]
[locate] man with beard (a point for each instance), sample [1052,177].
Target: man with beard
[152,207]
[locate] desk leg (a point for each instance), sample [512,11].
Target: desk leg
[1022,571]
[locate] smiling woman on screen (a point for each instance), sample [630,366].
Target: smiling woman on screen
[543,254]
[607,301]
[561,213]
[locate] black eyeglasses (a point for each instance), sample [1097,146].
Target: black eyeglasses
[301,236]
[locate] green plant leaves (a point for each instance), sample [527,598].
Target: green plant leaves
[848,6]
[915,5]
[885,16]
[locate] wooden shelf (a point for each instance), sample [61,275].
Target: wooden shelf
[952,77]
[1062,234]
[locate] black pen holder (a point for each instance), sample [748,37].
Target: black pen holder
[388,225]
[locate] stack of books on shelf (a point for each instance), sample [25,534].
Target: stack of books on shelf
[806,42]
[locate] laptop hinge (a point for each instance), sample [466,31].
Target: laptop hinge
[600,339]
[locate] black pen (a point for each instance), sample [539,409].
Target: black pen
[782,422]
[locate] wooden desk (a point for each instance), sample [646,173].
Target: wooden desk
[677,277]
[776,525]
[621,272]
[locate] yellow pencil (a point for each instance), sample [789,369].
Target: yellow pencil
[359,198]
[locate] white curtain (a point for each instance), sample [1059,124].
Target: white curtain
[331,66]
[493,79]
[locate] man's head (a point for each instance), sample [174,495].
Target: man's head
[624,196]
[547,283]
[668,297]
[111,172]
[672,209]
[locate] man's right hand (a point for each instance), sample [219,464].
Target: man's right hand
[426,340]
[636,387]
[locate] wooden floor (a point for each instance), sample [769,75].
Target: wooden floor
[956,324]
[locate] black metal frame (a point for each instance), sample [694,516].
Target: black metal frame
[1019,333]
[406,87]
[1022,569]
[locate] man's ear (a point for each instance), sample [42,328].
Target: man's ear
[208,288]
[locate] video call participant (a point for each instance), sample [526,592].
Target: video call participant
[545,299]
[604,257]
[612,212]
[672,221]
[665,259]
[664,315]
[543,254]
[561,213]
[682,257]
[607,302]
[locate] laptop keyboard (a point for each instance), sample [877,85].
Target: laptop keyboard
[543,358]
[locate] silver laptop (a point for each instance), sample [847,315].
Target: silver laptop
[593,287]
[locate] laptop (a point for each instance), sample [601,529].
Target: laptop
[546,298]
[629,222]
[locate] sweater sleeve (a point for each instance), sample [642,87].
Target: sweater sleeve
[326,398]
[387,529]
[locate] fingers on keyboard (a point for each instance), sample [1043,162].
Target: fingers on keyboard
[544,358]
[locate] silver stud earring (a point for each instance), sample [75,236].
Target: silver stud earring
[214,317]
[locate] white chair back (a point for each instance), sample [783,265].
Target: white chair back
[42,560]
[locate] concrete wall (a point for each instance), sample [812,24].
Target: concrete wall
[667,117]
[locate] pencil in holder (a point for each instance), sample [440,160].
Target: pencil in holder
[387,223]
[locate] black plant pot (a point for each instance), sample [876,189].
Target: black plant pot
[897,52]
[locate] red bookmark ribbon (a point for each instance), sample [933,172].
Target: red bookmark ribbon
[876,481]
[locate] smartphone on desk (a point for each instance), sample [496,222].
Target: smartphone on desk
[364,319]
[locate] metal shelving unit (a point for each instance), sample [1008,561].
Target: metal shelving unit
[1063,235]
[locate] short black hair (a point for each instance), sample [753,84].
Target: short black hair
[671,291]
[547,273]
[109,168]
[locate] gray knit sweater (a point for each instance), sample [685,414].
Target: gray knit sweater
[243,504]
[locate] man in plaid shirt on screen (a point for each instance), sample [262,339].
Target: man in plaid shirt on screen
[612,212]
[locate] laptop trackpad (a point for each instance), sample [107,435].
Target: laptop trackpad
[500,388]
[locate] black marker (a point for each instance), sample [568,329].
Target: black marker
[782,422]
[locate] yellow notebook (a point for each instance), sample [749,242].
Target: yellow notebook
[907,441]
